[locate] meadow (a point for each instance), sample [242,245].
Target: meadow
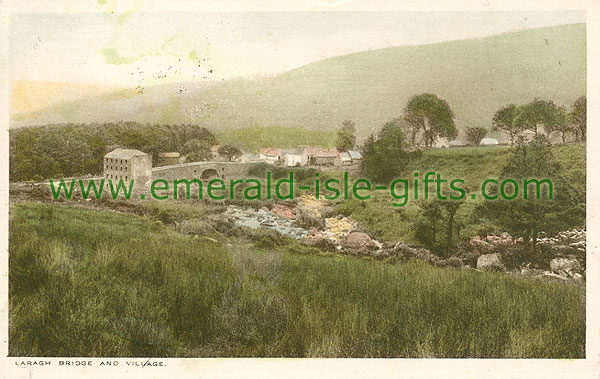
[89,282]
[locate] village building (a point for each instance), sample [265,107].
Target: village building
[294,157]
[355,155]
[318,156]
[270,155]
[343,159]
[456,143]
[489,142]
[441,142]
[128,164]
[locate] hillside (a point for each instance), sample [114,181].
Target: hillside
[475,76]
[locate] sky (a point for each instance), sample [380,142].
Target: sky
[138,49]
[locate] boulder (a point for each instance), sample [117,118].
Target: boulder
[481,246]
[569,266]
[490,262]
[358,241]
[283,211]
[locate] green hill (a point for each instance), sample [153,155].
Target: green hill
[475,76]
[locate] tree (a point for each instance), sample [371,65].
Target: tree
[540,113]
[346,138]
[433,115]
[562,123]
[527,217]
[197,150]
[578,117]
[504,120]
[475,135]
[384,158]
[230,152]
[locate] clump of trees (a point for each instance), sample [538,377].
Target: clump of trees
[50,151]
[559,206]
[436,225]
[538,114]
[431,117]
[426,117]
[231,152]
[385,157]
[346,136]
[475,135]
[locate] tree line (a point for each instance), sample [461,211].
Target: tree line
[51,151]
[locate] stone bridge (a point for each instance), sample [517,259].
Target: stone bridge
[201,170]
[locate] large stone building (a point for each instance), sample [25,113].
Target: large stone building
[128,164]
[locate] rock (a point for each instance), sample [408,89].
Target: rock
[358,241]
[568,266]
[283,211]
[481,246]
[490,262]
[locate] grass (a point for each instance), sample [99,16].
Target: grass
[256,137]
[473,165]
[100,283]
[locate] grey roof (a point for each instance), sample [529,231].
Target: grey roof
[355,154]
[124,153]
[489,141]
[346,156]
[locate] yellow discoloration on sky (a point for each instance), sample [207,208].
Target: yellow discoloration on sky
[30,96]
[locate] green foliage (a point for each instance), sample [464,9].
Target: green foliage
[526,218]
[435,226]
[475,135]
[346,136]
[89,283]
[432,115]
[504,120]
[196,150]
[541,113]
[578,117]
[230,152]
[384,159]
[54,151]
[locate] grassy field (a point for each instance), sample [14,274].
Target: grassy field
[100,283]
[473,165]
[254,138]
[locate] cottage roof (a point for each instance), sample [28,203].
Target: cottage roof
[271,151]
[355,154]
[345,156]
[489,141]
[315,151]
[124,153]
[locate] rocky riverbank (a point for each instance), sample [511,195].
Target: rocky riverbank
[314,222]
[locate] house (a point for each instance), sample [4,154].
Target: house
[343,159]
[247,158]
[489,142]
[355,155]
[170,158]
[456,143]
[441,143]
[128,164]
[294,157]
[271,155]
[318,156]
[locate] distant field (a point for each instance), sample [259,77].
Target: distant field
[254,138]
[100,283]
